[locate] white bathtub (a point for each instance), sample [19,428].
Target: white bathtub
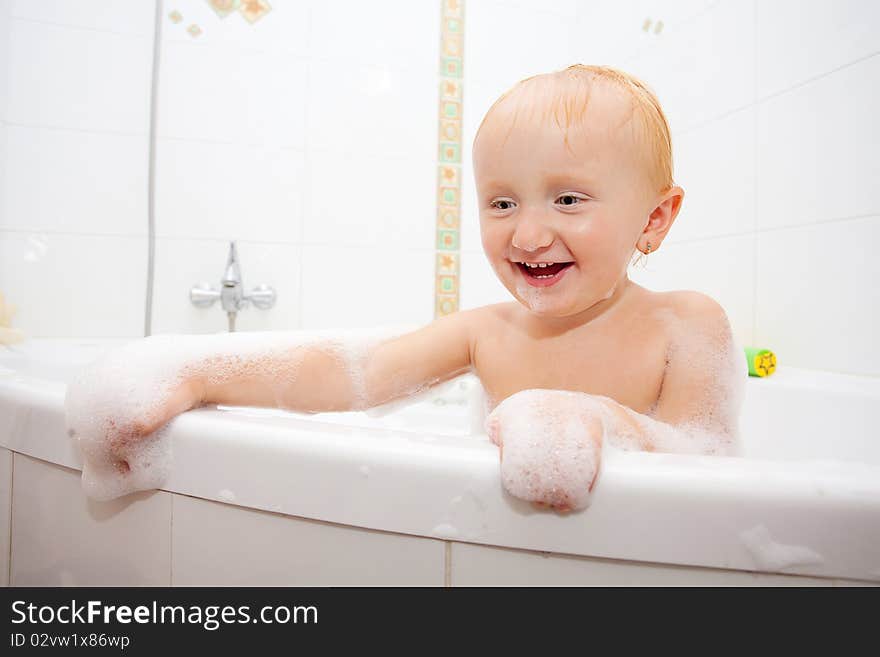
[414,497]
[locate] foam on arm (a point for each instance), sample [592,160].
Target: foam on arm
[118,408]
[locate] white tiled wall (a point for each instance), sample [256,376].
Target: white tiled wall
[75,79]
[310,137]
[773,113]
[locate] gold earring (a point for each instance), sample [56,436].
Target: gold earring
[648,250]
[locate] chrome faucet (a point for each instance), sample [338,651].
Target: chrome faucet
[232,296]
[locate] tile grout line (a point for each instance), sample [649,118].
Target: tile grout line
[84,28]
[305,201]
[171,544]
[11,496]
[151,169]
[755,240]
[758,101]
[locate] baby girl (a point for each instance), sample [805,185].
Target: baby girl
[573,173]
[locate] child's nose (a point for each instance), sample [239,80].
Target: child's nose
[531,234]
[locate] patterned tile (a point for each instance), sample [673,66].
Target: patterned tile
[449,141]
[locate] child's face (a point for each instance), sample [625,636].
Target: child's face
[542,201]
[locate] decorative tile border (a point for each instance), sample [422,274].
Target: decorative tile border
[448,242]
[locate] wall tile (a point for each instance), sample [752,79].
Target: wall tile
[292,551]
[505,43]
[480,565]
[232,95]
[706,68]
[817,149]
[106,15]
[798,40]
[370,33]
[5,27]
[283,29]
[356,199]
[815,306]
[183,263]
[208,190]
[715,165]
[479,283]
[369,111]
[612,33]
[5,513]
[62,538]
[723,268]
[74,285]
[81,79]
[65,180]
[470,211]
[354,287]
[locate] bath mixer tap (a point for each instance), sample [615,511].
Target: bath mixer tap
[231,294]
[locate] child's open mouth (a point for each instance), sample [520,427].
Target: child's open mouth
[543,274]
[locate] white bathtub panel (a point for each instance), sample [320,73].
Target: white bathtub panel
[372,110]
[74,285]
[74,181]
[293,551]
[283,29]
[226,94]
[81,79]
[104,15]
[479,283]
[715,165]
[800,516]
[208,190]
[349,30]
[813,306]
[817,149]
[346,287]
[482,565]
[5,513]
[799,40]
[61,538]
[368,199]
[183,263]
[694,89]
[723,268]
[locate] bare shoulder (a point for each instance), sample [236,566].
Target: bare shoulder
[692,308]
[468,326]
[488,317]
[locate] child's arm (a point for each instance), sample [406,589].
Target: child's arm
[340,375]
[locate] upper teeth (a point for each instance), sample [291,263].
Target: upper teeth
[538,264]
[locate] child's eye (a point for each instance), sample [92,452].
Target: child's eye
[570,199]
[496,205]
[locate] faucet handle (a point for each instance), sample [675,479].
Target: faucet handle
[262,296]
[203,295]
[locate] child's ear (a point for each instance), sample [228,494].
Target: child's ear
[661,217]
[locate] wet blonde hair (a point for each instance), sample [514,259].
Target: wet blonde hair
[564,95]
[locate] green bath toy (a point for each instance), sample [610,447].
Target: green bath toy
[762,362]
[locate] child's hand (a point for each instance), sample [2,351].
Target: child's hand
[116,410]
[550,443]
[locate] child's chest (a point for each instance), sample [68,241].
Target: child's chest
[625,361]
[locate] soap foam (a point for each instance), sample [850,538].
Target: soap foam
[773,556]
[549,453]
[113,401]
